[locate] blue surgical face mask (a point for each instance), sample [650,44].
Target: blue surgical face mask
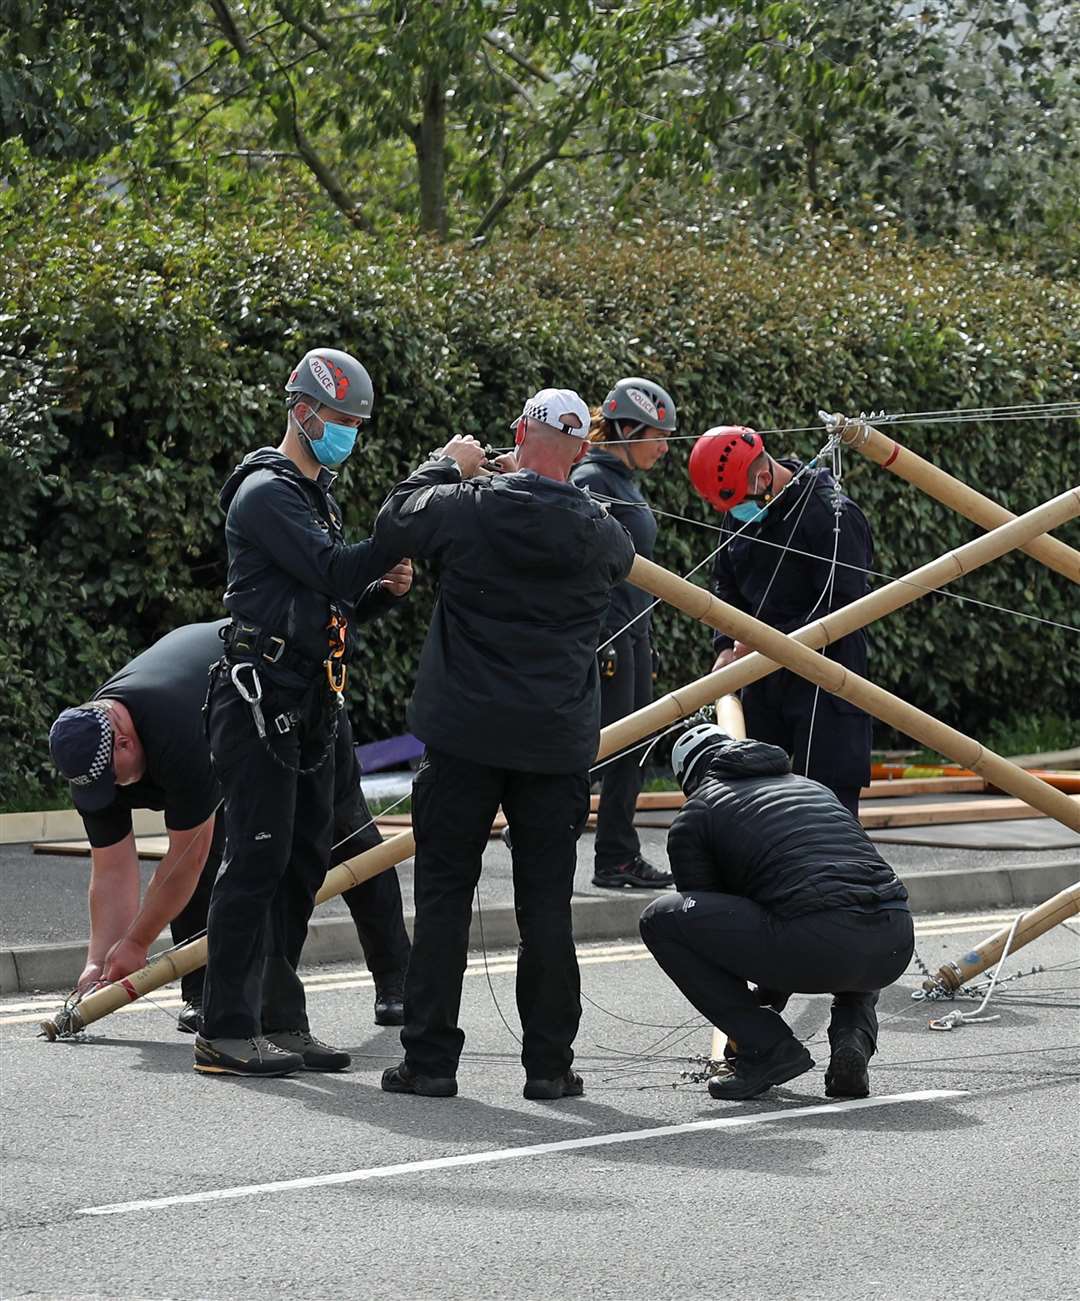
[748,512]
[335,445]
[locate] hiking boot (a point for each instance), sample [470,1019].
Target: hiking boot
[315,1055]
[752,1075]
[256,1056]
[568,1085]
[390,999]
[400,1079]
[638,874]
[188,1020]
[847,1075]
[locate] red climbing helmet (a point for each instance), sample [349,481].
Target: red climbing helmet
[720,463]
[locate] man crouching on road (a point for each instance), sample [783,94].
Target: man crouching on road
[779,885]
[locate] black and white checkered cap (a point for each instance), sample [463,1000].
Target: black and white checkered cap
[81,742]
[560,409]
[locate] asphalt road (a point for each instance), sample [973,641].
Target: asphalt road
[975,1189]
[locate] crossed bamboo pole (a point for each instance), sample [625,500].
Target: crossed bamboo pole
[1013,534]
[777,649]
[950,491]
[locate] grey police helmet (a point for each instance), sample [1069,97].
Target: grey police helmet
[692,747]
[334,378]
[641,401]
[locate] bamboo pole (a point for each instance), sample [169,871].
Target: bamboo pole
[661,713]
[951,492]
[686,700]
[1035,923]
[188,957]
[833,677]
[729,716]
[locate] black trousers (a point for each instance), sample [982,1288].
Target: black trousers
[278,826]
[191,920]
[375,905]
[454,805]
[711,944]
[629,690]
[779,710]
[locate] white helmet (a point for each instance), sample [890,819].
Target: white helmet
[693,746]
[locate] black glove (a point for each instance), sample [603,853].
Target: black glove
[607,661]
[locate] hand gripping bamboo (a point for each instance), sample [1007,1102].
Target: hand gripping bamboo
[188,957]
[952,492]
[684,701]
[1035,923]
[833,677]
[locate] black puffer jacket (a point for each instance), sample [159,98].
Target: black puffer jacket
[751,827]
[288,559]
[526,565]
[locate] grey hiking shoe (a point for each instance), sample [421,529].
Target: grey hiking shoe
[315,1055]
[256,1056]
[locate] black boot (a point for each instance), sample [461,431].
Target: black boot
[847,1075]
[638,874]
[390,998]
[754,1073]
[400,1079]
[568,1085]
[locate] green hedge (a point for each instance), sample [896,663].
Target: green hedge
[142,358]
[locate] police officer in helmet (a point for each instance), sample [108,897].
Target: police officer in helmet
[273,717]
[792,524]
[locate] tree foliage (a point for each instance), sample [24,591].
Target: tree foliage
[456,117]
[141,356]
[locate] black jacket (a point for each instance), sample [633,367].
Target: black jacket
[785,589]
[607,477]
[526,564]
[288,559]
[751,827]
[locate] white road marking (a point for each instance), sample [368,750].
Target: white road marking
[26,1012]
[514,1153]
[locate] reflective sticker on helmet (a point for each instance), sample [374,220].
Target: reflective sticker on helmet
[321,372]
[643,401]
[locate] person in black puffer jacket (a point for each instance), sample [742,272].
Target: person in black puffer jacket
[627,438]
[780,886]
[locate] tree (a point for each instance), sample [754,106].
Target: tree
[69,69]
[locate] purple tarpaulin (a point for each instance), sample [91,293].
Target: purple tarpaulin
[391,753]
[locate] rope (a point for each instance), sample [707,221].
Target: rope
[1065,410]
[729,537]
[952,1019]
[872,573]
